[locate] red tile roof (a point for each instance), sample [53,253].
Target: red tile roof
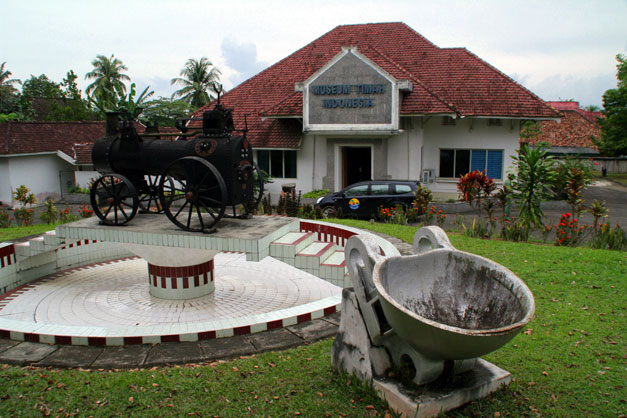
[445,81]
[36,137]
[72,138]
[573,131]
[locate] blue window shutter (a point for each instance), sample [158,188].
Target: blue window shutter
[478,160]
[495,164]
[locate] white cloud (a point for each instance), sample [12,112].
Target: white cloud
[242,58]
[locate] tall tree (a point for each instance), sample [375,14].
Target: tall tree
[199,80]
[164,111]
[108,75]
[613,140]
[8,91]
[39,94]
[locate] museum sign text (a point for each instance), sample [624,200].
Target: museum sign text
[361,90]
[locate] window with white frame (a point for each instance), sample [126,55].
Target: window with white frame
[457,162]
[277,163]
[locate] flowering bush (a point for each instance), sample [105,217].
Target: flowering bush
[394,215]
[440,218]
[5,218]
[23,216]
[429,215]
[66,216]
[85,211]
[568,232]
[546,230]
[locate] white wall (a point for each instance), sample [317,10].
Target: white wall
[83,178]
[467,133]
[40,173]
[5,182]
[404,151]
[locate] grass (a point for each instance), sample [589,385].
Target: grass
[15,232]
[569,361]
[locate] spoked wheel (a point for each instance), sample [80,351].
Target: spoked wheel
[245,210]
[149,195]
[193,194]
[114,199]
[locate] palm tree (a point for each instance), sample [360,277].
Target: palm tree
[108,79]
[8,92]
[199,81]
[5,83]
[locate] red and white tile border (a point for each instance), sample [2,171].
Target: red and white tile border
[181,282]
[7,255]
[98,336]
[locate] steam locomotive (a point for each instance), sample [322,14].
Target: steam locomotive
[196,180]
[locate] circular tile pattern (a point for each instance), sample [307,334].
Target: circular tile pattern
[117,294]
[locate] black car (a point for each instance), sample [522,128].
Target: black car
[363,199]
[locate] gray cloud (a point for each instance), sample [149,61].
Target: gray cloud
[241,57]
[586,91]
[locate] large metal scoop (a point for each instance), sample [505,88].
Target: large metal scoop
[439,305]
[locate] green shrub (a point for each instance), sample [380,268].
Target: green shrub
[49,215]
[609,238]
[514,230]
[314,194]
[5,217]
[422,200]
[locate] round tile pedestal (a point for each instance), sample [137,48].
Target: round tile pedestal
[177,273]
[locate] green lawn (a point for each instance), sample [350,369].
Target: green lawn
[14,232]
[570,361]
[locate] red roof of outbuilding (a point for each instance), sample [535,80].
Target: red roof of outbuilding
[37,137]
[574,130]
[445,81]
[72,138]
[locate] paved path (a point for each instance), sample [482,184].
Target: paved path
[144,355]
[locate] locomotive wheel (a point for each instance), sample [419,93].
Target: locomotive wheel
[114,199]
[193,194]
[149,195]
[246,210]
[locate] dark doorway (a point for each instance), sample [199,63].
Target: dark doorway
[356,165]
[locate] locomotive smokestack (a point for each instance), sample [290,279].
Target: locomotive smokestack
[113,123]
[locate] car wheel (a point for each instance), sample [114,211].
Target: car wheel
[329,212]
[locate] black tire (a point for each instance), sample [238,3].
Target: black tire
[114,199]
[329,212]
[193,194]
[149,201]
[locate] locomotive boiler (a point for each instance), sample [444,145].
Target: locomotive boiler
[196,180]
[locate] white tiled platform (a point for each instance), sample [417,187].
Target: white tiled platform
[112,300]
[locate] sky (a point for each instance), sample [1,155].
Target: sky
[560,50]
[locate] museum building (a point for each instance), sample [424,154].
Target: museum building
[379,101]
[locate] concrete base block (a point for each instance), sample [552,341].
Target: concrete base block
[352,350]
[436,398]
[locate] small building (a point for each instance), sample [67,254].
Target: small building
[46,157]
[379,101]
[572,135]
